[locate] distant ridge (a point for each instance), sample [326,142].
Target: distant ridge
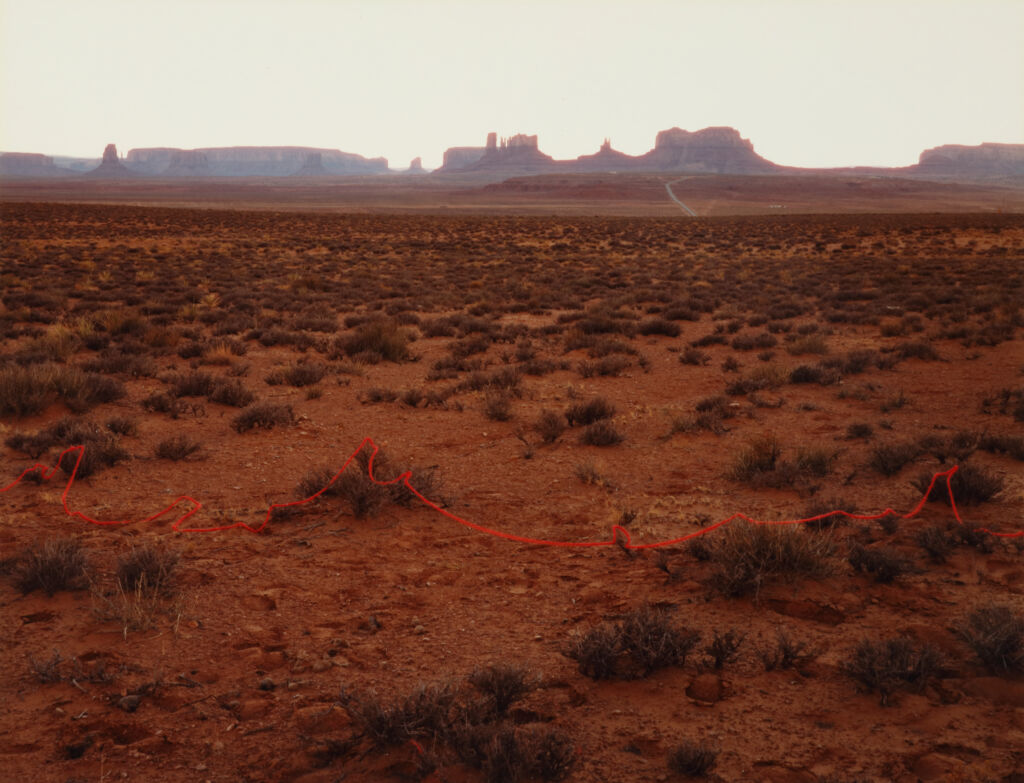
[248,162]
[714,150]
[707,151]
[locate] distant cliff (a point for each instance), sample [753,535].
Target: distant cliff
[29,165]
[708,151]
[250,162]
[982,161]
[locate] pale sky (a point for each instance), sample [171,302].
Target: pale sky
[809,82]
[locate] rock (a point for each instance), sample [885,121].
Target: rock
[705,688]
[416,166]
[935,766]
[267,684]
[111,166]
[320,719]
[252,708]
[129,703]
[996,690]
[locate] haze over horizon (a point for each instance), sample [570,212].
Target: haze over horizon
[809,83]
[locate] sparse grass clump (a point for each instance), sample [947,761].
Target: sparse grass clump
[894,664]
[55,565]
[147,567]
[745,556]
[601,433]
[883,563]
[176,448]
[996,635]
[504,684]
[581,414]
[888,459]
[549,426]
[639,644]
[376,340]
[263,415]
[693,759]
[970,485]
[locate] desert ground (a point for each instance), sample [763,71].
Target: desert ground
[612,384]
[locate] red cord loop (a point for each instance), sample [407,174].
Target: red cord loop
[620,536]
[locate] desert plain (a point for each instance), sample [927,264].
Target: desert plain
[610,378]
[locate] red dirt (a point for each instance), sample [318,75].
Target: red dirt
[322,601]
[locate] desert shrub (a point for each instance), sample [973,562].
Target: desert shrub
[601,433]
[760,457]
[297,375]
[122,425]
[811,344]
[377,338]
[760,378]
[102,449]
[1012,445]
[194,384]
[883,563]
[642,642]
[724,648]
[162,402]
[263,415]
[859,431]
[363,496]
[585,413]
[376,394]
[996,635]
[936,541]
[498,406]
[25,391]
[58,564]
[549,426]
[889,458]
[503,683]
[660,326]
[233,393]
[970,485]
[597,651]
[608,367]
[422,713]
[917,349]
[824,513]
[752,342]
[176,448]
[786,654]
[693,759]
[887,666]
[147,567]
[746,555]
[809,373]
[958,446]
[694,356]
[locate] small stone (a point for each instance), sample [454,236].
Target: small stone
[706,688]
[419,629]
[267,684]
[129,703]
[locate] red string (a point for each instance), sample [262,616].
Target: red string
[620,536]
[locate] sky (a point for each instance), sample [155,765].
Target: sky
[809,82]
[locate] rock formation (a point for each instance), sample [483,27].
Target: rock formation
[313,166]
[111,166]
[29,165]
[708,151]
[415,166]
[981,161]
[517,154]
[249,161]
